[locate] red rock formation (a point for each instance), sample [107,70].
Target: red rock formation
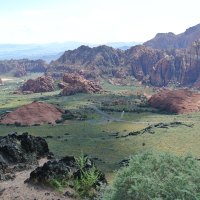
[41,84]
[141,59]
[20,72]
[178,101]
[75,83]
[25,64]
[34,113]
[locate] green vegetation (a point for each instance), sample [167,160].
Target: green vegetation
[97,134]
[85,185]
[156,176]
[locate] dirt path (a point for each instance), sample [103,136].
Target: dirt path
[17,190]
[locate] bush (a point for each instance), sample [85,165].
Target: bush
[85,185]
[156,176]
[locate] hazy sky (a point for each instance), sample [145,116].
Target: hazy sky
[93,21]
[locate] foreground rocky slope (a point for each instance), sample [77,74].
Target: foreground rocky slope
[33,114]
[19,155]
[19,152]
[177,101]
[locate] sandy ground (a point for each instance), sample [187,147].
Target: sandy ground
[6,79]
[18,190]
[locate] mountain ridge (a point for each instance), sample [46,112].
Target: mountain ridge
[171,41]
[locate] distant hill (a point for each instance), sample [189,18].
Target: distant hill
[122,45]
[172,41]
[48,52]
[151,66]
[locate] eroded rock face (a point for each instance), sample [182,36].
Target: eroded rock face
[33,114]
[177,101]
[18,152]
[65,168]
[74,83]
[41,84]
[25,64]
[140,60]
[176,61]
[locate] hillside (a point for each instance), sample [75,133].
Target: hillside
[150,66]
[172,41]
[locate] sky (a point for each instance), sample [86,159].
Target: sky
[93,21]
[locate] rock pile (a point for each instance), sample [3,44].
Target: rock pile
[74,83]
[41,84]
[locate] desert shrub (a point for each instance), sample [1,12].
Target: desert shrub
[156,176]
[56,184]
[85,184]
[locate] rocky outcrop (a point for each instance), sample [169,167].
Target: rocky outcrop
[33,114]
[12,66]
[101,56]
[20,72]
[67,168]
[140,60]
[172,41]
[18,152]
[91,62]
[40,84]
[74,83]
[177,101]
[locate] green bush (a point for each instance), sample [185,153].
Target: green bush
[56,184]
[85,185]
[156,176]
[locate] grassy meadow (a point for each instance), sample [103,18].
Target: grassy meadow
[113,113]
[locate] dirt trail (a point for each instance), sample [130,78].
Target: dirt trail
[17,190]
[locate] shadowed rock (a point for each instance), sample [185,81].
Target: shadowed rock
[66,168]
[18,152]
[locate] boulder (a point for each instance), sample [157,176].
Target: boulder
[18,152]
[41,84]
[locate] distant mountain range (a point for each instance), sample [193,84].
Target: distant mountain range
[48,52]
[166,60]
[172,41]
